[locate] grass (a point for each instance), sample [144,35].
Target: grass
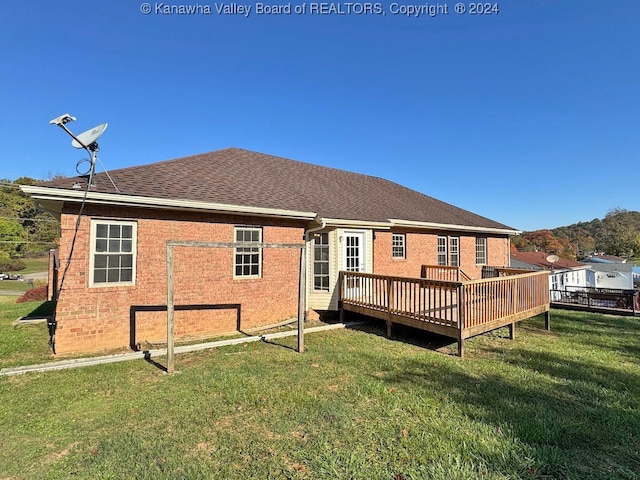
[34,265]
[564,404]
[22,344]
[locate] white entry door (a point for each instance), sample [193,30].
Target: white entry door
[353,256]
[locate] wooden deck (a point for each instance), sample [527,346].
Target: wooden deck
[459,310]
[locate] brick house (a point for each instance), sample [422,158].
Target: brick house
[114,292]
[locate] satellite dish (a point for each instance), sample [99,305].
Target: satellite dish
[89,137]
[553,258]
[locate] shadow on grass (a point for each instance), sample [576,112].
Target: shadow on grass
[402,333]
[577,418]
[44,309]
[283,345]
[618,334]
[159,366]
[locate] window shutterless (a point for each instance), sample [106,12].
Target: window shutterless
[113,253]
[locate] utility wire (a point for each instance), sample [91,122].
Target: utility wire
[31,219]
[27,241]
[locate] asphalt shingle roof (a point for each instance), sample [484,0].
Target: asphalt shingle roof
[240,177]
[539,259]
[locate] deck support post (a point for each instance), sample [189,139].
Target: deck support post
[461,347]
[512,331]
[340,306]
[547,320]
[390,299]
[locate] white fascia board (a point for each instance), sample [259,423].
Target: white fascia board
[442,226]
[339,222]
[64,195]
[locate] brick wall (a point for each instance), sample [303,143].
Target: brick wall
[422,249]
[100,318]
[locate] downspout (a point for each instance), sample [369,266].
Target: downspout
[307,236]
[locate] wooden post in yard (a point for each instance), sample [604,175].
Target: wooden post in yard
[301,299]
[170,358]
[340,297]
[547,320]
[461,320]
[512,331]
[390,300]
[461,347]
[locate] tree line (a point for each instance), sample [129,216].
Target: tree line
[26,230]
[618,233]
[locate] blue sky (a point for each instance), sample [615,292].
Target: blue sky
[530,117]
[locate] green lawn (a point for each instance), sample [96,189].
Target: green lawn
[32,265]
[22,344]
[563,405]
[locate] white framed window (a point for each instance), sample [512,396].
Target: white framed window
[442,250]
[454,251]
[248,260]
[113,253]
[398,249]
[481,251]
[321,262]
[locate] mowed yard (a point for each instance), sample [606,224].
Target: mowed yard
[564,404]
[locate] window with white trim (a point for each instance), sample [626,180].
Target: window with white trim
[321,262]
[113,253]
[481,251]
[248,260]
[442,250]
[454,251]
[398,245]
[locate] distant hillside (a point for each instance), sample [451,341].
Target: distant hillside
[618,233]
[25,229]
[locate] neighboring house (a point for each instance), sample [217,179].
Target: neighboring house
[617,276]
[565,274]
[115,290]
[608,271]
[602,258]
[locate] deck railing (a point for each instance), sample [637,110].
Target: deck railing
[473,307]
[627,300]
[415,298]
[443,273]
[492,299]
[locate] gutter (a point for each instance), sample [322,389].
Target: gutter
[339,222]
[443,226]
[62,195]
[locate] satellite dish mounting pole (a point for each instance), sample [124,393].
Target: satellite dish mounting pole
[86,141]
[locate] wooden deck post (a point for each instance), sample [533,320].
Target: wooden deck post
[461,320]
[340,307]
[390,300]
[547,320]
[512,331]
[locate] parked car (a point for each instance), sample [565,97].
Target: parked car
[10,276]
